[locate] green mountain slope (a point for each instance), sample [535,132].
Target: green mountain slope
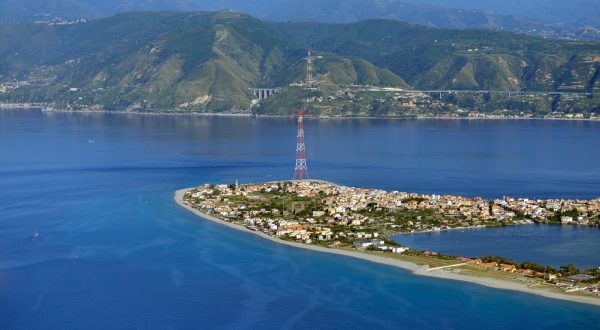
[345,71]
[497,72]
[207,61]
[200,60]
[430,58]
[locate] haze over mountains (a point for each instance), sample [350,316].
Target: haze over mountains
[548,18]
[206,61]
[587,11]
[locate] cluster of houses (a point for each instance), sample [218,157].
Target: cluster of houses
[466,212]
[577,282]
[543,210]
[276,222]
[510,268]
[379,245]
[343,206]
[6,87]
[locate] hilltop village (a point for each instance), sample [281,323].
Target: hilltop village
[330,216]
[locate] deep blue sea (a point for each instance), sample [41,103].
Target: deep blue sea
[115,251]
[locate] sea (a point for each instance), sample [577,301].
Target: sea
[90,237]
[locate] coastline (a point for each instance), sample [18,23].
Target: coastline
[419,270]
[44,108]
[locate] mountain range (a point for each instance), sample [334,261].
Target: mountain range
[576,19]
[207,61]
[557,11]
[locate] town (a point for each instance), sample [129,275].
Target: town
[360,219]
[366,101]
[318,206]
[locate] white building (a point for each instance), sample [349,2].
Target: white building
[565,219]
[400,249]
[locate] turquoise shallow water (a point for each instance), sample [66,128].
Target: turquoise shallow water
[115,251]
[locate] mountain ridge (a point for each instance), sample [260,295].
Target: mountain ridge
[207,61]
[429,13]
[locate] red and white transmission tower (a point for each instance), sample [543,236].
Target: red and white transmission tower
[301,169]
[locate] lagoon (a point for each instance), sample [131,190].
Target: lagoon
[552,245]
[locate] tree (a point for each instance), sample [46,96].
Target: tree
[498,259]
[487,97]
[569,269]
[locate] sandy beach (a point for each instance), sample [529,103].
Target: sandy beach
[420,270]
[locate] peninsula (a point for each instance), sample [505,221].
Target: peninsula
[358,222]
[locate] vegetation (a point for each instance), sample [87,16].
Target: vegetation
[537,267]
[559,19]
[207,61]
[467,59]
[500,260]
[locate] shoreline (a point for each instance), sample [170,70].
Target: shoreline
[44,108]
[415,269]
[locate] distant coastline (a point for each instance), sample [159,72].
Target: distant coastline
[420,270]
[22,106]
[46,108]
